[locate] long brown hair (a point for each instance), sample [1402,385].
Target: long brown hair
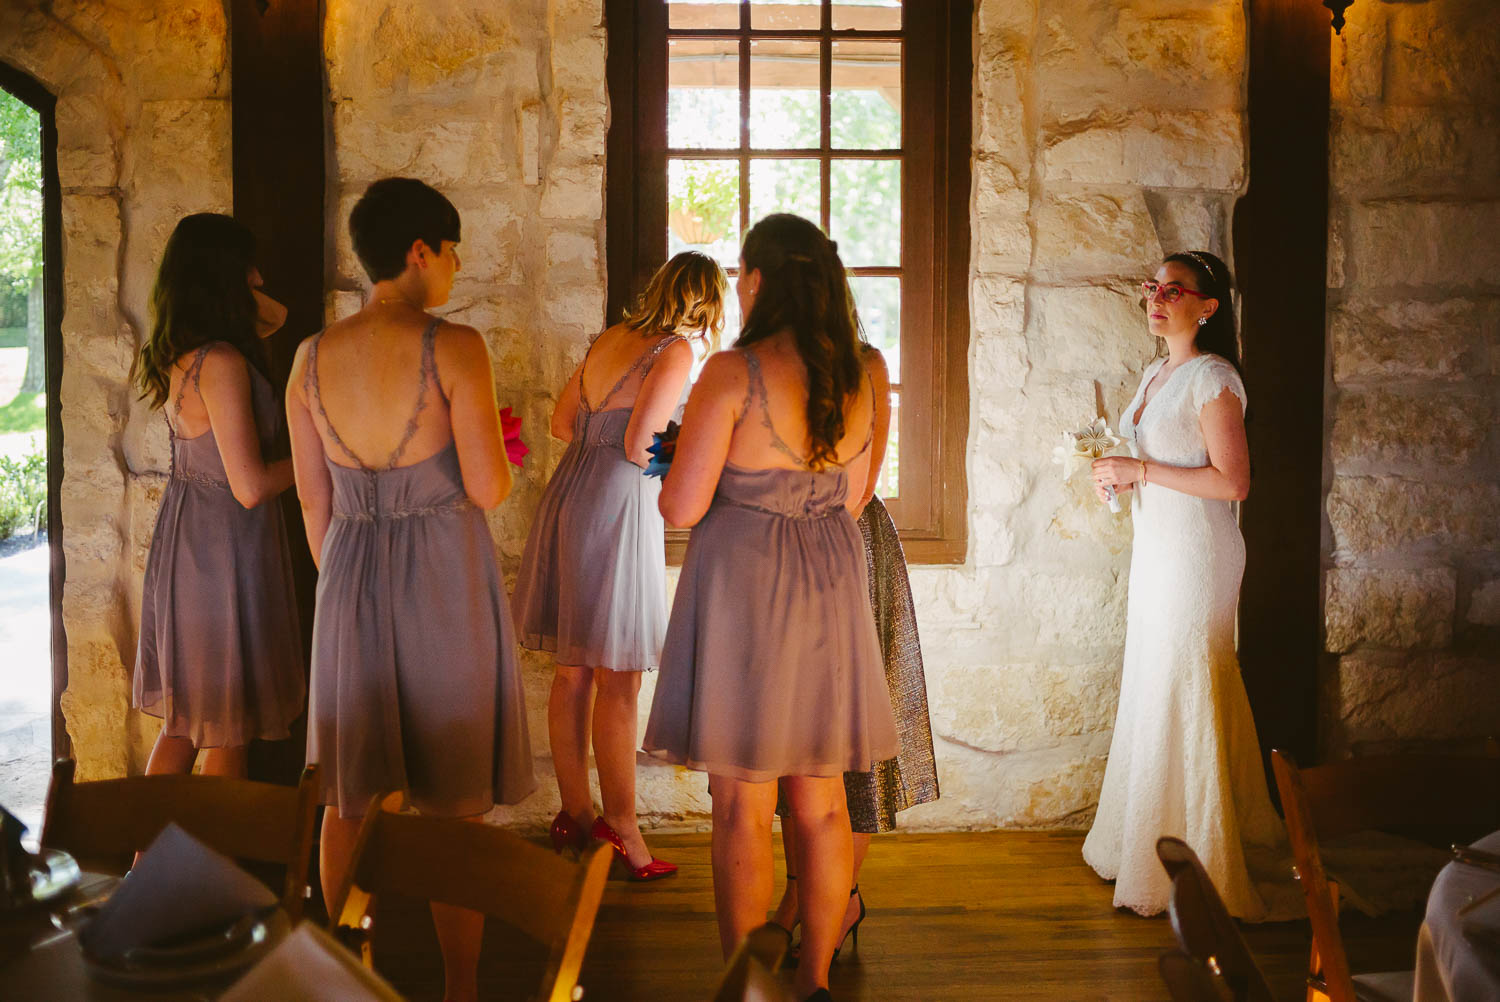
[202,295]
[803,288]
[685,295]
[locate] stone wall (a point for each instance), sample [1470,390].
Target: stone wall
[1413,462]
[143,137]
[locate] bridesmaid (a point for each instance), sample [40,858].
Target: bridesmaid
[398,449]
[771,669]
[220,656]
[911,778]
[592,585]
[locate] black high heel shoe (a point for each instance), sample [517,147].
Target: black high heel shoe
[821,995]
[853,929]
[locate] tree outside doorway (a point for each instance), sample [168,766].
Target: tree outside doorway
[25,617]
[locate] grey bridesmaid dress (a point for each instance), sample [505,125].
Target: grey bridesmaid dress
[219,658]
[592,587]
[771,666]
[414,679]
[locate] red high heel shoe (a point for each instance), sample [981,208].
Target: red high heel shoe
[567,834]
[654,870]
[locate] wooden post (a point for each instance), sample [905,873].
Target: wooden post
[278,132]
[1281,260]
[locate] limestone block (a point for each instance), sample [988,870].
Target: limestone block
[440,50]
[1372,516]
[1089,332]
[582,127]
[341,303]
[87,154]
[1016,707]
[1405,243]
[997,306]
[576,306]
[1182,149]
[94,707]
[1357,73]
[992,534]
[180,49]
[91,245]
[1389,703]
[1414,339]
[445,151]
[1051,788]
[578,63]
[1484,604]
[1087,233]
[573,193]
[145,444]
[491,249]
[1191,221]
[1380,430]
[573,15]
[572,253]
[1444,53]
[144,494]
[1002,236]
[1391,152]
[1389,608]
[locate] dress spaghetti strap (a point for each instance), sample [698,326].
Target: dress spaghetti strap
[755,391]
[647,358]
[428,373]
[195,373]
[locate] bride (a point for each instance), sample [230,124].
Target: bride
[1184,759]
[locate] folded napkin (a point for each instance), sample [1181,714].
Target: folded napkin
[510,430]
[662,449]
[179,887]
[308,966]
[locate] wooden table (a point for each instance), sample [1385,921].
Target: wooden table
[1451,967]
[38,961]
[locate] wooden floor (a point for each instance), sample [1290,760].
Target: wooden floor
[999,915]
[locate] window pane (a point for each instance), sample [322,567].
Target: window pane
[785,186]
[866,100]
[867,15]
[878,301]
[784,95]
[703,14]
[865,215]
[889,483]
[703,208]
[732,319]
[703,94]
[784,15]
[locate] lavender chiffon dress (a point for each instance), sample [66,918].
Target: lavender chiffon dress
[592,587]
[219,658]
[772,666]
[415,686]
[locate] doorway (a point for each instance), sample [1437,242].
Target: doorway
[32,655]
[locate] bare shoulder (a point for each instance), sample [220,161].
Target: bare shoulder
[875,364]
[460,344]
[679,352]
[223,361]
[725,371]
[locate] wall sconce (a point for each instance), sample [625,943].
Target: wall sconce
[1338,7]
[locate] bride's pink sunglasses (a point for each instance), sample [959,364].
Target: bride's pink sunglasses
[1170,293]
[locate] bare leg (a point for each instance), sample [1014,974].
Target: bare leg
[460,934]
[824,863]
[786,909]
[171,755]
[335,847]
[232,761]
[742,859]
[568,734]
[615,709]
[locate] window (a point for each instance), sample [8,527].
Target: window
[853,113]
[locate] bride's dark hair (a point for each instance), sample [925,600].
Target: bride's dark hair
[1212,274]
[803,288]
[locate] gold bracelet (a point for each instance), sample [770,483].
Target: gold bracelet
[1143,471]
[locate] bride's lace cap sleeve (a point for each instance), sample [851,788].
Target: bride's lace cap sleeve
[1212,379]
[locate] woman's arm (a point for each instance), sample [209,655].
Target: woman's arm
[703,444]
[880,379]
[1225,478]
[566,409]
[657,400]
[314,482]
[224,385]
[469,384]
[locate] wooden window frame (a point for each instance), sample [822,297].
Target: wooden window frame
[931,511]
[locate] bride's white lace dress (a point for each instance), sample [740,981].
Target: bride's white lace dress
[1184,759]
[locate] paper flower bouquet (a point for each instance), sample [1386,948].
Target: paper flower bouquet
[1080,448]
[662,448]
[510,428]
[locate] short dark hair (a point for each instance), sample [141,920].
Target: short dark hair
[391,215]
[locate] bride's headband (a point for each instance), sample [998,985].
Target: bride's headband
[1204,262]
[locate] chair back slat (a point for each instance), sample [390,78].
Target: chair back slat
[1189,980]
[484,868]
[1205,930]
[1442,793]
[750,974]
[105,823]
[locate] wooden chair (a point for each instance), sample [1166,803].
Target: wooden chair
[1212,962]
[1407,793]
[478,866]
[104,824]
[750,975]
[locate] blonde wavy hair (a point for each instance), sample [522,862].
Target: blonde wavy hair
[685,296]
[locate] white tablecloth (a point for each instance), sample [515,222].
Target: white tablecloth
[1454,965]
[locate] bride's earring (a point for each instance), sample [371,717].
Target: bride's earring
[1202,321]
